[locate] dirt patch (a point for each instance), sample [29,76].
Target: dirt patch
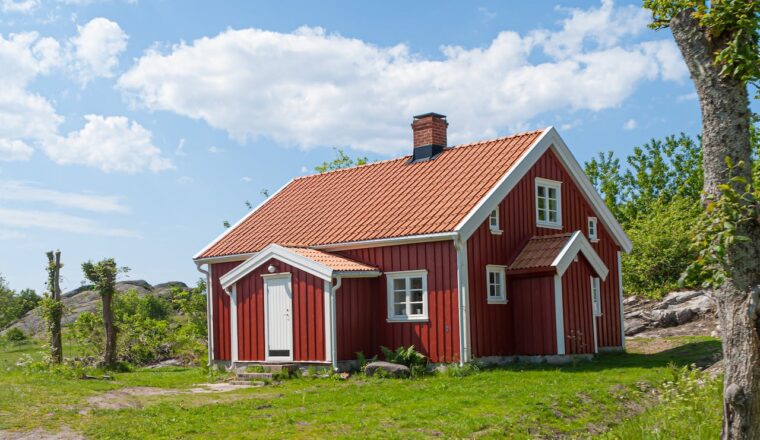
[41,434]
[126,397]
[650,346]
[705,326]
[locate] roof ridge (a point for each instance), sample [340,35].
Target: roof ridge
[455,147]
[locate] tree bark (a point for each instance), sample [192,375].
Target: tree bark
[109,354]
[56,344]
[725,133]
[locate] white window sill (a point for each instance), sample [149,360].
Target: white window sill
[594,240]
[402,320]
[497,301]
[496,231]
[549,225]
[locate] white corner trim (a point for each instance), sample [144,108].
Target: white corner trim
[549,138]
[559,314]
[233,324]
[334,321]
[579,243]
[463,300]
[620,292]
[245,217]
[280,253]
[328,321]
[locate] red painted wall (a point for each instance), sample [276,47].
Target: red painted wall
[577,306]
[490,324]
[220,303]
[438,338]
[532,301]
[308,314]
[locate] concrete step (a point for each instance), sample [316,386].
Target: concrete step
[277,368]
[249,376]
[252,383]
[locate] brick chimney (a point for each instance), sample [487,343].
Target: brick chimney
[429,132]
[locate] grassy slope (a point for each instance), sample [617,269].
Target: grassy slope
[518,401]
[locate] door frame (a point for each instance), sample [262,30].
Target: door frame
[288,277]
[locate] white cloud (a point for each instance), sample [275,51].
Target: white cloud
[110,143]
[22,218]
[10,234]
[31,192]
[97,48]
[304,169]
[180,151]
[11,150]
[215,150]
[22,6]
[630,124]
[247,179]
[312,88]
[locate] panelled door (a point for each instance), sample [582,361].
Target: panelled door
[278,295]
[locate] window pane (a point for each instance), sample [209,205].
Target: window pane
[552,216]
[416,295]
[416,283]
[541,203]
[417,309]
[542,215]
[497,277]
[541,191]
[552,204]
[399,284]
[399,297]
[399,310]
[552,193]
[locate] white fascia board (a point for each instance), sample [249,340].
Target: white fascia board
[224,258]
[591,194]
[357,273]
[491,201]
[409,239]
[579,243]
[281,254]
[245,217]
[548,139]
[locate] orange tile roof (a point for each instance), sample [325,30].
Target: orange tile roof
[335,262]
[540,252]
[380,200]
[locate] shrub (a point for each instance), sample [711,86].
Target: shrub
[15,335]
[456,370]
[416,361]
[87,332]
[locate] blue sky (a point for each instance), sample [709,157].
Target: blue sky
[133,129]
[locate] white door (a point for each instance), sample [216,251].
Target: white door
[278,304]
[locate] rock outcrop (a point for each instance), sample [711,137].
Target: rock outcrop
[393,370]
[85,299]
[691,312]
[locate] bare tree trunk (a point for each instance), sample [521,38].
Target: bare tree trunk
[109,355]
[56,344]
[725,133]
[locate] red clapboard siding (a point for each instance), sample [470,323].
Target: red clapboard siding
[220,302]
[438,338]
[535,331]
[308,314]
[490,324]
[578,309]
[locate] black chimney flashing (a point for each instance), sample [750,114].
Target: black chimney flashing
[435,115]
[425,153]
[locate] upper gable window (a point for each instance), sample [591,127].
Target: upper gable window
[548,203]
[493,222]
[407,295]
[593,233]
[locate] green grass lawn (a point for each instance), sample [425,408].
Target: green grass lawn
[613,396]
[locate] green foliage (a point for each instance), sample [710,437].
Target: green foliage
[342,160]
[732,26]
[656,198]
[192,304]
[151,330]
[363,361]
[103,275]
[416,361]
[15,305]
[735,207]
[51,310]
[662,248]
[456,370]
[15,335]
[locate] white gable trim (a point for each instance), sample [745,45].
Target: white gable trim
[548,139]
[579,243]
[291,258]
[231,228]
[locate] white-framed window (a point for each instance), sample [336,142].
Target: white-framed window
[496,282]
[593,234]
[596,296]
[493,222]
[548,203]
[407,295]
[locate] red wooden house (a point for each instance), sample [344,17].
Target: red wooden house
[496,249]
